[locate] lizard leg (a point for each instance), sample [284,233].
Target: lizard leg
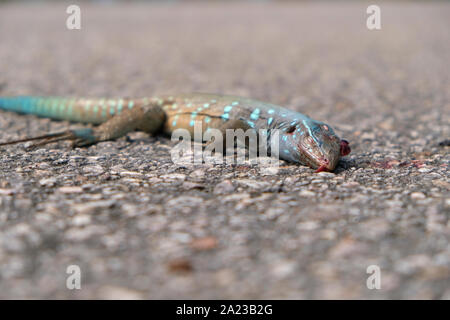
[149,118]
[77,134]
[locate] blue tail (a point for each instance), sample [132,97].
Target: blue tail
[21,104]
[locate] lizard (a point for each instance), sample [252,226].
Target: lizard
[302,139]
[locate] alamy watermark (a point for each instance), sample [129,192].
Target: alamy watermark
[238,146]
[73,281]
[73,21]
[373,21]
[374,280]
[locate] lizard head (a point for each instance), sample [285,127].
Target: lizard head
[312,143]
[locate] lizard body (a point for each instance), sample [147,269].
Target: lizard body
[302,139]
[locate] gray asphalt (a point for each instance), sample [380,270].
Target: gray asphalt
[139,226]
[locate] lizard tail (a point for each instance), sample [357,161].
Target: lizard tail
[80,137]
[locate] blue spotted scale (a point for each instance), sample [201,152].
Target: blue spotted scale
[301,139]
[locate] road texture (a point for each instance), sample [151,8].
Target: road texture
[139,226]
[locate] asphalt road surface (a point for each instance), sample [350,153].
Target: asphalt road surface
[139,226]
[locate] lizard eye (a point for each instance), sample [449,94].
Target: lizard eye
[291,129]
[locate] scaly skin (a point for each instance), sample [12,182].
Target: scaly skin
[302,139]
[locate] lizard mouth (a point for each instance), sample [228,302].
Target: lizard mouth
[322,163]
[323,166]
